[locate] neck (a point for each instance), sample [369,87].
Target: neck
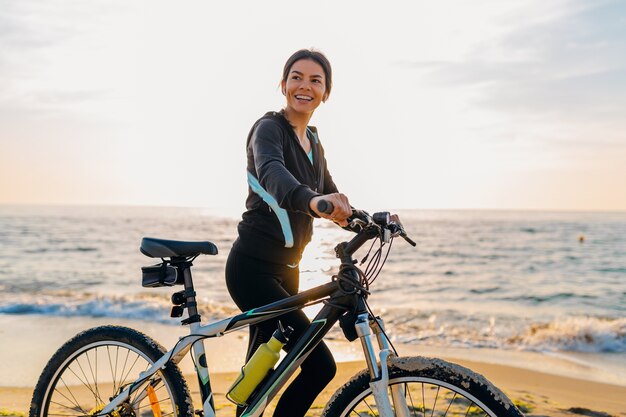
[299,121]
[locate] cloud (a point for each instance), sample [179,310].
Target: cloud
[569,67]
[56,57]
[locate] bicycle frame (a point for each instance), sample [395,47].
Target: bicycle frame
[319,327]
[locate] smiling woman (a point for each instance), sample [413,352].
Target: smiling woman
[287,176]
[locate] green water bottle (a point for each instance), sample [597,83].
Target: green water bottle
[258,366]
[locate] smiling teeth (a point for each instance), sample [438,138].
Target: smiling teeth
[304,98]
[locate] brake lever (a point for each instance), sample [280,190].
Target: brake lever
[399,231]
[404,236]
[357,222]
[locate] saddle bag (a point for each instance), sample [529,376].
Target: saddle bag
[159,275]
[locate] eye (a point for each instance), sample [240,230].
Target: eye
[295,77]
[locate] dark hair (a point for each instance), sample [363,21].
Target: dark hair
[312,55]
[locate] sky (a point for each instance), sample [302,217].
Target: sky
[450,104]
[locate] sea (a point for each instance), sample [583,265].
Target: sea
[483,280]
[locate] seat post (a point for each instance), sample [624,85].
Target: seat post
[190,294]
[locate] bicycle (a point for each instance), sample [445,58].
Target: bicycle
[101,364]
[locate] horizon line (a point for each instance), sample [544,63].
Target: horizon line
[241,209]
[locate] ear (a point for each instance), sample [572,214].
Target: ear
[325,98]
[283,87]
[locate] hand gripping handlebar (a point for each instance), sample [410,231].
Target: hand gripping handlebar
[358,216]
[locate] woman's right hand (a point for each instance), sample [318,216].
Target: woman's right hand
[341,208]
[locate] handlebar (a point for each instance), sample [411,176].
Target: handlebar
[325,207]
[361,220]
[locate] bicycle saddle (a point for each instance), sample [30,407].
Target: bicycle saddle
[161,248]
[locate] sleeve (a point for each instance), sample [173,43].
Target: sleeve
[269,162]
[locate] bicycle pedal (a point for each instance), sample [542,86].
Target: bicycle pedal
[199,412]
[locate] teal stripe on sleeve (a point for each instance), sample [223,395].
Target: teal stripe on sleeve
[281,213]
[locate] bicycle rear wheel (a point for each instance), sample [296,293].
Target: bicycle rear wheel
[96,365]
[427,387]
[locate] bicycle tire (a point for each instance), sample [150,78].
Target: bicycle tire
[432,387]
[98,363]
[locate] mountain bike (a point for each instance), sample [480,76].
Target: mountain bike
[120,372]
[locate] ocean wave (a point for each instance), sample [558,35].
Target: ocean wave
[133,307]
[458,329]
[579,334]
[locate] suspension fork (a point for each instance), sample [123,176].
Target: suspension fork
[379,377]
[398,395]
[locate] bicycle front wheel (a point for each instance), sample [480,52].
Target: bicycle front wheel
[424,387]
[96,365]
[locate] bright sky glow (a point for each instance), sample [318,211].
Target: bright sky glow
[482,104]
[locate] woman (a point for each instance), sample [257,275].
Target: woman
[287,176]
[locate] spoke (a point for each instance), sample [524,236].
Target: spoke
[450,405]
[117,351]
[469,408]
[96,393]
[88,386]
[138,392]
[64,415]
[69,408]
[91,369]
[423,401]
[96,380]
[155,385]
[435,403]
[67,415]
[75,402]
[411,399]
[111,367]
[123,381]
[150,404]
[134,400]
[368,406]
[160,386]
[131,367]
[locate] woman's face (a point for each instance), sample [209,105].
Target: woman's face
[305,87]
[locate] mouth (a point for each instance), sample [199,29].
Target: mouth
[303,97]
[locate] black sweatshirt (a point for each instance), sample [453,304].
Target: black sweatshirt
[278,223]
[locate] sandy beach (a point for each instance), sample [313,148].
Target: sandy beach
[564,388]
[537,394]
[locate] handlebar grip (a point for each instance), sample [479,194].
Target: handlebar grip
[325,207]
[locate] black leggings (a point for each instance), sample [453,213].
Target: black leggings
[254,283]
